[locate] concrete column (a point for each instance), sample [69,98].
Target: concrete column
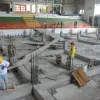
[13,7]
[79,35]
[36,8]
[93,13]
[60,8]
[31,8]
[44,38]
[53,6]
[89,9]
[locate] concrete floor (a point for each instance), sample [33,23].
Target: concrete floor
[54,82]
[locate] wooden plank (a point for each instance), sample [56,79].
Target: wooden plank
[78,78]
[83,75]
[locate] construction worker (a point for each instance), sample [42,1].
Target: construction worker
[71,54]
[34,18]
[3,72]
[75,24]
[61,24]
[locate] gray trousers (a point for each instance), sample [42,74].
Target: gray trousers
[70,63]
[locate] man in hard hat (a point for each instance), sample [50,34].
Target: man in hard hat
[3,72]
[71,54]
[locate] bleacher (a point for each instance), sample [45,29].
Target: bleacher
[12,23]
[17,23]
[31,23]
[27,21]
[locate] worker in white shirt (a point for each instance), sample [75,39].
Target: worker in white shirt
[3,72]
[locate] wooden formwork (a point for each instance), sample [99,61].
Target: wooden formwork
[80,76]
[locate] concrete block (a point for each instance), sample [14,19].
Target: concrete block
[19,91]
[66,92]
[53,84]
[43,94]
[93,71]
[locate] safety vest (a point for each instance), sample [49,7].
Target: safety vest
[72,51]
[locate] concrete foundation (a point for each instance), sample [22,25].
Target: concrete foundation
[53,82]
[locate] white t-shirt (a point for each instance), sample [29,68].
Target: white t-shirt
[4,63]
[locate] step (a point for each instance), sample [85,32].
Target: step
[28,20]
[20,91]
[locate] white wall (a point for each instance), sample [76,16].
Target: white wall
[68,1]
[33,8]
[67,30]
[97,9]
[89,9]
[15,32]
[81,7]
[68,9]
[28,8]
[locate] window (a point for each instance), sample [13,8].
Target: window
[23,8]
[20,8]
[17,7]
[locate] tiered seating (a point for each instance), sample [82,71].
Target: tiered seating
[30,22]
[11,19]
[25,14]
[12,23]
[18,23]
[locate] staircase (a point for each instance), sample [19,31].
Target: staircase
[30,22]
[25,14]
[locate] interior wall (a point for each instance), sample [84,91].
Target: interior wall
[15,32]
[89,9]
[68,9]
[97,1]
[71,9]
[97,9]
[68,1]
[33,8]
[80,7]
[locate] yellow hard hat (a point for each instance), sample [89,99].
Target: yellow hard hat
[1,59]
